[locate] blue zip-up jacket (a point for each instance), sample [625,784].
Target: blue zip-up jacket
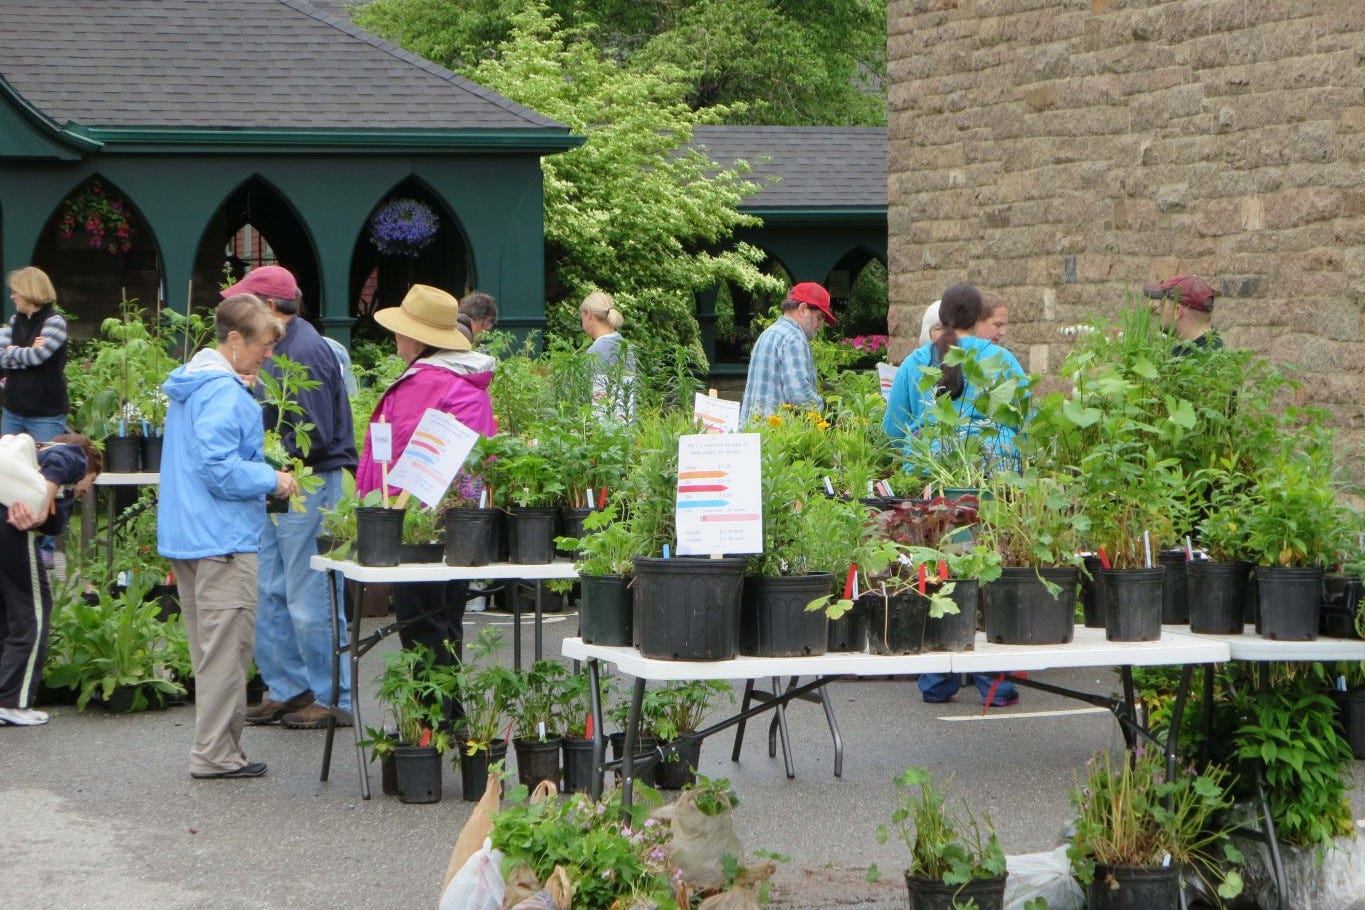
[213,472]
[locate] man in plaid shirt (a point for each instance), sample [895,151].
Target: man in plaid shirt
[781,369]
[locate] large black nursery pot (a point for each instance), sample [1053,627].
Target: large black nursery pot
[122,454]
[895,624]
[1132,603]
[418,769]
[150,454]
[956,631]
[578,766]
[471,536]
[571,525]
[1217,594]
[1133,888]
[1019,609]
[378,536]
[646,748]
[848,633]
[605,612]
[933,894]
[537,760]
[687,608]
[773,620]
[1175,604]
[531,535]
[1290,601]
[474,768]
[1091,609]
[1351,718]
[1341,596]
[679,767]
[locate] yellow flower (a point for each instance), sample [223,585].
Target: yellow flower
[774,421]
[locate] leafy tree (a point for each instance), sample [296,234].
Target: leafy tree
[629,211]
[785,62]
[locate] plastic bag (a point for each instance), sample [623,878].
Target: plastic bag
[478,884]
[1334,881]
[475,831]
[20,479]
[699,843]
[1045,875]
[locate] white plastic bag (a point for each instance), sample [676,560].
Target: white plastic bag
[20,479]
[478,885]
[1045,875]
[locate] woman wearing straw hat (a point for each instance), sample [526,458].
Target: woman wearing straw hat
[443,373]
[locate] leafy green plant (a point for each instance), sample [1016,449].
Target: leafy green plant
[1133,815]
[538,697]
[676,708]
[607,545]
[288,438]
[115,379]
[950,846]
[410,688]
[1294,516]
[1033,519]
[484,688]
[422,525]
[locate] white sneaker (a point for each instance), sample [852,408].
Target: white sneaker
[22,717]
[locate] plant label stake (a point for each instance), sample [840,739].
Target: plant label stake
[923,578]
[850,581]
[381,441]
[1104,559]
[1147,547]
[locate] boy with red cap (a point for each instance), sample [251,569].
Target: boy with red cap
[781,369]
[1186,311]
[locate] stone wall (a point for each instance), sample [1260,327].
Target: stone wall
[1064,152]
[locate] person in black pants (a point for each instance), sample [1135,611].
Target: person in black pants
[69,465]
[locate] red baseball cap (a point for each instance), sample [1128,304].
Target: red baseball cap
[813,295]
[1188,290]
[267,281]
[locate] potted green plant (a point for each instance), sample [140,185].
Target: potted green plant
[603,557]
[484,690]
[677,710]
[537,705]
[528,478]
[423,534]
[1138,832]
[1217,585]
[1034,522]
[576,722]
[288,437]
[473,526]
[410,689]
[378,531]
[338,529]
[956,859]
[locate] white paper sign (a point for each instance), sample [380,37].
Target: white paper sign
[715,415]
[886,374]
[381,441]
[433,456]
[720,494]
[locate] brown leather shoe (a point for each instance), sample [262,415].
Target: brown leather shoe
[269,711]
[314,717]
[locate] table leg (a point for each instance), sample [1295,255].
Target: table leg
[1177,714]
[739,728]
[599,738]
[353,654]
[336,674]
[540,616]
[780,716]
[516,623]
[833,731]
[628,755]
[109,532]
[1205,748]
[1130,705]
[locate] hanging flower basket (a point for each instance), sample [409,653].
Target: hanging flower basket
[403,227]
[100,216]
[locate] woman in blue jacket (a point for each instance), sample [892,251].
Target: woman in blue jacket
[214,480]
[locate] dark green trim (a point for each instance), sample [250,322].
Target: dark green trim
[819,214]
[211,140]
[62,142]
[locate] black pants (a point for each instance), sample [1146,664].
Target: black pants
[432,614]
[25,612]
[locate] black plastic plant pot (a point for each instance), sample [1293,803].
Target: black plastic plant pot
[531,536]
[471,536]
[1092,613]
[1217,594]
[848,633]
[956,631]
[578,766]
[388,775]
[122,454]
[150,454]
[1132,603]
[571,525]
[421,552]
[1353,720]
[605,611]
[1133,888]
[687,608]
[474,769]
[378,536]
[1290,602]
[773,620]
[646,755]
[1341,596]
[418,771]
[679,766]
[933,894]
[1020,610]
[895,624]
[1175,604]
[537,760]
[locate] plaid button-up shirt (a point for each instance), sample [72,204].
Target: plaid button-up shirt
[781,371]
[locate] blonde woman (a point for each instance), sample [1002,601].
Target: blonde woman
[602,322]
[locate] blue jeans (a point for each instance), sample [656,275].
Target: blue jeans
[42,429]
[936,687]
[293,622]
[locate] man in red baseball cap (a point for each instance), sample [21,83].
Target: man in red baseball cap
[1186,310]
[781,369]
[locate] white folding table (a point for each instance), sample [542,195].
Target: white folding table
[408,573]
[108,479]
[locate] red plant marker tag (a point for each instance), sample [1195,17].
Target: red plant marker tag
[1104,559]
[923,578]
[848,581]
[588,727]
[426,737]
[942,570]
[602,500]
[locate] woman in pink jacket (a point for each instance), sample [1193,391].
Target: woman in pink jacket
[443,373]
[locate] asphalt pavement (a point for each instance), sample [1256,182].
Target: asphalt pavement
[99,810]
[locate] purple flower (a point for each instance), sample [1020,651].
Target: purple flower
[403,227]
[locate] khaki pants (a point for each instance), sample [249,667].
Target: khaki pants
[218,601]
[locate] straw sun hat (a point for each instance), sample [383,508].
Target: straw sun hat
[428,315]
